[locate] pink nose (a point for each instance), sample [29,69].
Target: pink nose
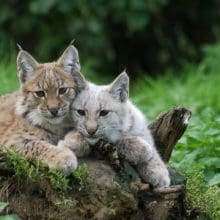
[91,127]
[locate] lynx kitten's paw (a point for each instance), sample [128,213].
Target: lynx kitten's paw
[76,142]
[134,149]
[155,173]
[62,159]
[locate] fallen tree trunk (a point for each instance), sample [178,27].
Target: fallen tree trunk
[109,195]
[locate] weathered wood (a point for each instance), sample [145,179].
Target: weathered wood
[168,128]
[167,203]
[164,204]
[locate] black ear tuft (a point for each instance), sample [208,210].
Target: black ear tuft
[19,47]
[72,42]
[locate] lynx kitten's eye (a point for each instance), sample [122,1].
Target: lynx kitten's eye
[103,113]
[81,112]
[40,94]
[63,90]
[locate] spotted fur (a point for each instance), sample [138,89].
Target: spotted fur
[33,119]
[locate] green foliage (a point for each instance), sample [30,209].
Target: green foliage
[3,205]
[199,148]
[9,217]
[29,172]
[80,176]
[8,76]
[201,198]
[140,35]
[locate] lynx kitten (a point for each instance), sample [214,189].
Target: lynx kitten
[104,112]
[35,118]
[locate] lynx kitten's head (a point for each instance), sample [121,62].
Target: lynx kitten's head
[98,111]
[47,89]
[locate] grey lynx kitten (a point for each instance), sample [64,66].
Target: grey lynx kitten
[104,112]
[33,119]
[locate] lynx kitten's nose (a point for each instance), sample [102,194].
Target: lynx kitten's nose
[54,111]
[91,127]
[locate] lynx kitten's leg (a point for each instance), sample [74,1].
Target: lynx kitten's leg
[75,141]
[134,149]
[59,158]
[149,165]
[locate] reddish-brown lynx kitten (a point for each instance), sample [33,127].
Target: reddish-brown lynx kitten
[35,118]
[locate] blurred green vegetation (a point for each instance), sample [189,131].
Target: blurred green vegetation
[147,36]
[3,205]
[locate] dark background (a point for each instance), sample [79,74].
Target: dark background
[143,36]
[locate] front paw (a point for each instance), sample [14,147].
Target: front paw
[62,159]
[76,142]
[135,150]
[157,175]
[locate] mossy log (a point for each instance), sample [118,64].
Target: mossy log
[110,194]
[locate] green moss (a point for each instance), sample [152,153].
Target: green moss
[36,172]
[202,199]
[80,176]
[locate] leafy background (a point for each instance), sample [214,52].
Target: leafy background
[171,50]
[141,35]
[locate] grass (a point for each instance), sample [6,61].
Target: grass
[8,77]
[196,88]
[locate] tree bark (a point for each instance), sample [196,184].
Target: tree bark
[168,128]
[168,203]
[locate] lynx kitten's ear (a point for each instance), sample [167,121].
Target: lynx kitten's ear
[26,65]
[70,60]
[71,65]
[120,87]
[79,80]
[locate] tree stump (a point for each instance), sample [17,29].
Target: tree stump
[167,204]
[168,128]
[109,195]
